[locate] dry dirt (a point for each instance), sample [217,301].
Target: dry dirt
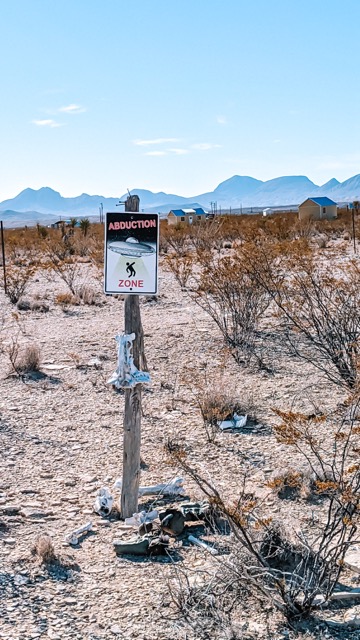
[61,440]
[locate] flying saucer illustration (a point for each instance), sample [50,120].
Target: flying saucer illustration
[131,247]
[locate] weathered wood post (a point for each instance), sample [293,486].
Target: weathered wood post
[132,415]
[131,268]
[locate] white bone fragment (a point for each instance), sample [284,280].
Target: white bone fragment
[103,502]
[73,537]
[354,594]
[126,374]
[172,488]
[142,517]
[203,545]
[236,422]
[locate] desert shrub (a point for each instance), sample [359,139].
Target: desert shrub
[87,295]
[235,300]
[181,265]
[42,231]
[319,309]
[216,405]
[206,603]
[68,270]
[66,299]
[17,280]
[23,359]
[177,238]
[44,550]
[288,485]
[84,226]
[293,570]
[321,242]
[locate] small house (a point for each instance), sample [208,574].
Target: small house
[186,216]
[318,209]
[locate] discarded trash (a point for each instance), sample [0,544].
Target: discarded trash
[103,502]
[172,521]
[172,488]
[126,374]
[73,537]
[134,546]
[142,517]
[236,422]
[203,545]
[195,510]
[142,546]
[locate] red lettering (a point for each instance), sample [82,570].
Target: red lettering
[131,283]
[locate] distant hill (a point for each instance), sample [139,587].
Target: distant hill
[31,206]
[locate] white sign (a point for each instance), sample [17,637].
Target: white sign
[131,253]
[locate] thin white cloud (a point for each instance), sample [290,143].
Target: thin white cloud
[72,108]
[156,153]
[221,120]
[47,123]
[205,146]
[144,143]
[179,152]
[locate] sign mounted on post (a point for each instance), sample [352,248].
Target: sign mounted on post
[131,253]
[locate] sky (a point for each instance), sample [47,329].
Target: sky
[176,95]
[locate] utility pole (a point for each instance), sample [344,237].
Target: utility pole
[101,212]
[354,207]
[132,414]
[3,254]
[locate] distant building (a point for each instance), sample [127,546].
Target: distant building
[267,211]
[318,209]
[186,216]
[65,223]
[60,223]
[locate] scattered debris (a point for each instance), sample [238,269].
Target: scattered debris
[126,374]
[172,521]
[142,517]
[142,546]
[103,502]
[353,594]
[172,488]
[73,537]
[203,545]
[236,422]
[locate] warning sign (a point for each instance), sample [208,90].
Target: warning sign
[131,253]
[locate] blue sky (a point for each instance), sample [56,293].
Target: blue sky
[176,95]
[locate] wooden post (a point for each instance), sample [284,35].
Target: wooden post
[132,415]
[3,254]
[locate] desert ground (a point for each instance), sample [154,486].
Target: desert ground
[61,441]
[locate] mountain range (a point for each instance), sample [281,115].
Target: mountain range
[45,205]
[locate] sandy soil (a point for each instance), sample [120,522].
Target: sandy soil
[61,440]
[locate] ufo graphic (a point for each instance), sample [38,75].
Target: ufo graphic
[131,247]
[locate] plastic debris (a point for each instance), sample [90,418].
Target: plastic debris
[103,502]
[144,546]
[203,545]
[172,521]
[126,374]
[142,517]
[172,488]
[236,422]
[73,537]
